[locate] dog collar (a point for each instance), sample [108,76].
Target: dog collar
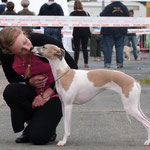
[62,75]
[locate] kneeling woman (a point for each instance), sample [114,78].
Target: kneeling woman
[30,93]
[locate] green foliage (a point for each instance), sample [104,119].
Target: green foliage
[145,81]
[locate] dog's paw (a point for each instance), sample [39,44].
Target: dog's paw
[61,143]
[147,143]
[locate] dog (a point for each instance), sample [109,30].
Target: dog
[127,53]
[80,86]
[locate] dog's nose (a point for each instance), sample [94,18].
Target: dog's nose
[31,49]
[36,50]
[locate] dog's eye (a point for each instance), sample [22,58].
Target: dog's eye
[44,47]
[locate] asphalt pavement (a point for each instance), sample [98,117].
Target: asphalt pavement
[100,124]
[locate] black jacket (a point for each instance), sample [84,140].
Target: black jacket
[37,40]
[51,10]
[81,31]
[115,9]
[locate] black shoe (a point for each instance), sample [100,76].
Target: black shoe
[24,138]
[119,66]
[53,137]
[107,65]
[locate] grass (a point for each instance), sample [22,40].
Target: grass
[145,81]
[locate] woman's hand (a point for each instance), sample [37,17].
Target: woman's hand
[38,81]
[39,101]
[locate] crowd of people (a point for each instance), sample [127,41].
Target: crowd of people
[31,95]
[103,43]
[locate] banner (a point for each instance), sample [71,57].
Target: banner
[125,0]
[74,21]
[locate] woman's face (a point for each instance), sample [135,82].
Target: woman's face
[22,46]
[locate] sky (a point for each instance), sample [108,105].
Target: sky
[36,4]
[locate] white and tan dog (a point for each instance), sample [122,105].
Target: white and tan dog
[80,86]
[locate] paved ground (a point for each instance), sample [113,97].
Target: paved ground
[100,124]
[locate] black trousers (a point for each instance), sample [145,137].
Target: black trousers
[43,120]
[80,42]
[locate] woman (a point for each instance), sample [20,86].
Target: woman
[80,34]
[25,94]
[10,9]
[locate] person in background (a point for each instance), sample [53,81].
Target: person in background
[10,9]
[80,34]
[30,94]
[3,6]
[131,39]
[25,11]
[96,45]
[114,35]
[51,8]
[2,9]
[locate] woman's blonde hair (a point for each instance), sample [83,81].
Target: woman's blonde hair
[78,5]
[8,36]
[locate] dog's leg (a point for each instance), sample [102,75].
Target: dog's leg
[132,107]
[138,114]
[147,142]
[127,52]
[67,123]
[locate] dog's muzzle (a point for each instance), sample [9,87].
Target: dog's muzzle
[36,51]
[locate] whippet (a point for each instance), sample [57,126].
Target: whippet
[80,86]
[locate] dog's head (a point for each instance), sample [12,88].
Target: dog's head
[49,51]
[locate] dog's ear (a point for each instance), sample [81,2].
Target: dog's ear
[61,53]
